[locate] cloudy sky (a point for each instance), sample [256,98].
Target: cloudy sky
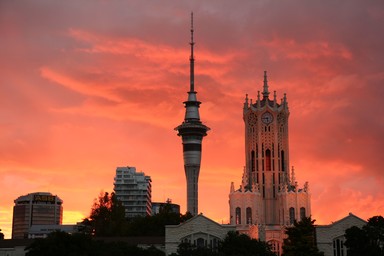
[86,86]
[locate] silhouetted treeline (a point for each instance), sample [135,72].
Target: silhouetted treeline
[107,218]
[64,244]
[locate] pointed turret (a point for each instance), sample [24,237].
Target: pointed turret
[265,87]
[232,187]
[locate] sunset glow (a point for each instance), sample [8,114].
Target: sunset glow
[86,86]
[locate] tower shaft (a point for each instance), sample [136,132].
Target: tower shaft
[192,131]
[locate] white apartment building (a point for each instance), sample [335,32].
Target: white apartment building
[133,189]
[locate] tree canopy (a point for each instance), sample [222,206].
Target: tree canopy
[368,240]
[236,244]
[64,244]
[301,239]
[107,218]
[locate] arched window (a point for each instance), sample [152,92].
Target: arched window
[238,215]
[268,160]
[200,242]
[302,213]
[291,215]
[275,246]
[338,247]
[249,215]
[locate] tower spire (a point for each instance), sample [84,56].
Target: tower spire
[265,87]
[192,60]
[192,131]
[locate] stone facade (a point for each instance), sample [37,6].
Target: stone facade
[330,238]
[269,198]
[199,231]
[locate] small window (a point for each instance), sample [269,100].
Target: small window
[338,247]
[291,215]
[238,216]
[249,215]
[302,213]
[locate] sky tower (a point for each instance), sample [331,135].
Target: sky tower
[192,131]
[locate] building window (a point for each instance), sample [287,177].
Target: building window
[238,215]
[253,160]
[200,243]
[268,160]
[302,213]
[291,215]
[275,247]
[282,161]
[249,215]
[338,247]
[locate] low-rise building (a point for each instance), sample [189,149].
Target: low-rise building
[158,206]
[199,231]
[330,238]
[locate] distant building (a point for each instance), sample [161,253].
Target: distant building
[157,207]
[330,238]
[42,231]
[269,198]
[199,231]
[134,190]
[39,208]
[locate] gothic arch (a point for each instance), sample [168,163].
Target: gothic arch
[302,213]
[291,215]
[248,215]
[238,215]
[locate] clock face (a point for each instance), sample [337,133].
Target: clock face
[267,118]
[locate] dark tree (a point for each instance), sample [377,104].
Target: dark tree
[1,235]
[107,216]
[368,240]
[301,239]
[236,244]
[64,244]
[357,241]
[186,249]
[60,244]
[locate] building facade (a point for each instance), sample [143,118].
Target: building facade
[192,131]
[157,207]
[269,198]
[134,190]
[40,208]
[199,231]
[330,238]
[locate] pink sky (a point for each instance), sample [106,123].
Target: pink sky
[86,86]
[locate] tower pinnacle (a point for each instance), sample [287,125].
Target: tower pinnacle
[265,87]
[192,60]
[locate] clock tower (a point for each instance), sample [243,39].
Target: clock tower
[268,198]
